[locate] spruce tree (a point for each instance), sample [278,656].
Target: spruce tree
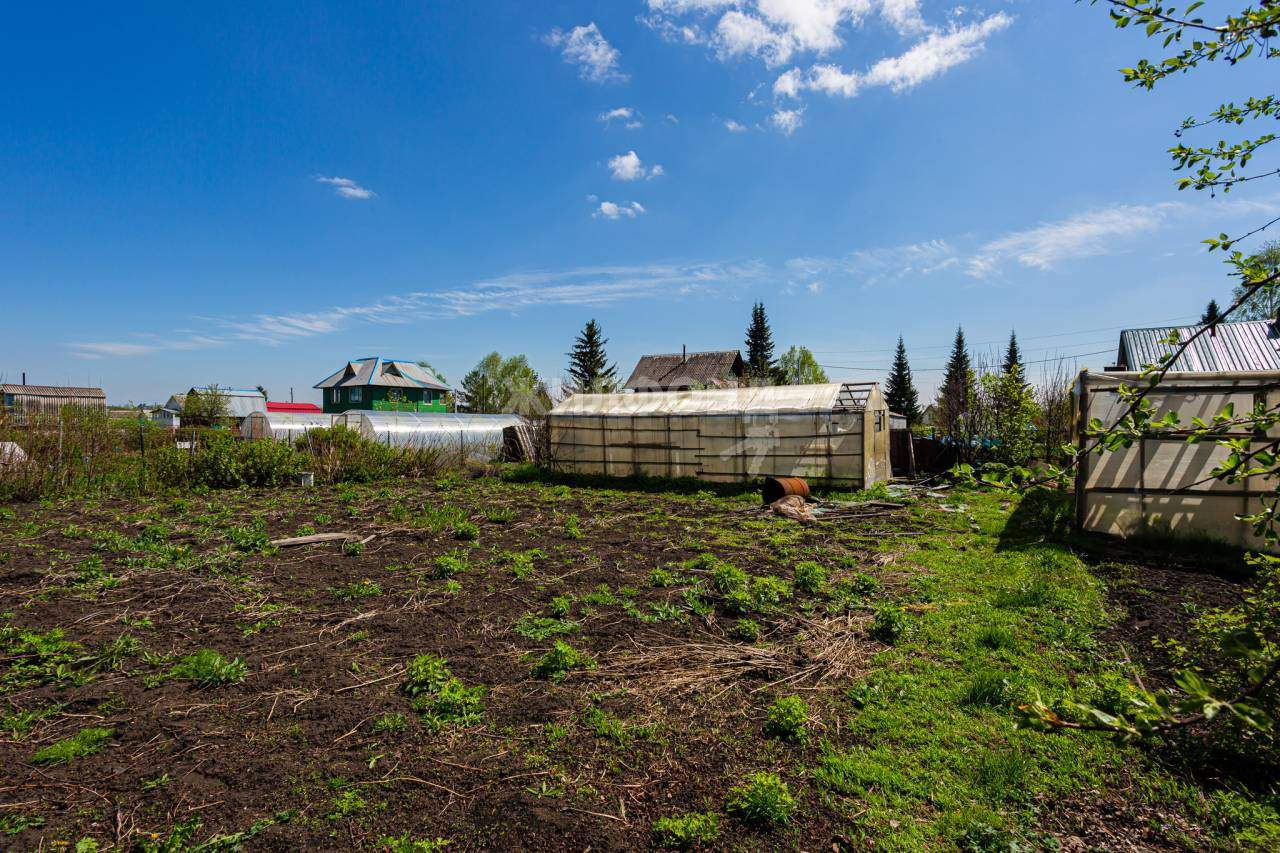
[759,344]
[589,366]
[955,397]
[1013,356]
[1212,313]
[900,390]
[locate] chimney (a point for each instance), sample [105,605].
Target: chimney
[24,377]
[684,357]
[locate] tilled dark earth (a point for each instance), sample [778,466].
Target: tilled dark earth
[295,756]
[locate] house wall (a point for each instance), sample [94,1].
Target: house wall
[1154,487]
[374,397]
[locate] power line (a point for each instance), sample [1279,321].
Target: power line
[1020,338]
[1065,357]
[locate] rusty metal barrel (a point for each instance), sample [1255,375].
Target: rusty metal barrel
[780,487]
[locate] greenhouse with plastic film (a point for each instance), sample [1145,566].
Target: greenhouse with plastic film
[284,426]
[835,434]
[475,436]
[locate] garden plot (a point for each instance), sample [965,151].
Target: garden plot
[503,665]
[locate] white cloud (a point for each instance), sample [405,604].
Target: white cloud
[610,210]
[629,117]
[787,121]
[1089,234]
[586,47]
[734,127]
[629,167]
[775,30]
[346,187]
[672,119]
[935,54]
[815,287]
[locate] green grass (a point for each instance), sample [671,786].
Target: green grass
[83,743]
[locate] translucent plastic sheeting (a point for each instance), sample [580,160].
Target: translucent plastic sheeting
[285,426]
[777,398]
[460,432]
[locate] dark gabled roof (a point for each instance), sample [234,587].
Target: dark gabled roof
[52,391]
[383,373]
[715,369]
[1248,345]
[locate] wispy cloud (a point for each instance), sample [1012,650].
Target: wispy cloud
[1085,235]
[629,167]
[734,127]
[586,47]
[878,265]
[346,187]
[114,349]
[612,210]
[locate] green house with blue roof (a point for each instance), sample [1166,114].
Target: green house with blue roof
[380,384]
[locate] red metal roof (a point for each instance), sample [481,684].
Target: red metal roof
[293,407]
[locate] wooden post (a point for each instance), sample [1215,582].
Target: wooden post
[1082,461]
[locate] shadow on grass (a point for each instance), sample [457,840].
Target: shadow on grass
[1047,517]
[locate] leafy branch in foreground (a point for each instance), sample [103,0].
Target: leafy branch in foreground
[1249,644]
[1147,713]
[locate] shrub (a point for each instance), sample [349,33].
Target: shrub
[889,624]
[810,577]
[425,674]
[207,669]
[747,630]
[540,628]
[762,798]
[686,830]
[353,547]
[787,718]
[556,664]
[83,743]
[573,527]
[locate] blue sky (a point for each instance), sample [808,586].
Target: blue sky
[255,193]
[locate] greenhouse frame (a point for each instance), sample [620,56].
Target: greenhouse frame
[834,434]
[284,426]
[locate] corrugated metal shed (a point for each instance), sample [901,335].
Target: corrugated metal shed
[384,373]
[1246,346]
[50,397]
[730,401]
[241,402]
[718,369]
